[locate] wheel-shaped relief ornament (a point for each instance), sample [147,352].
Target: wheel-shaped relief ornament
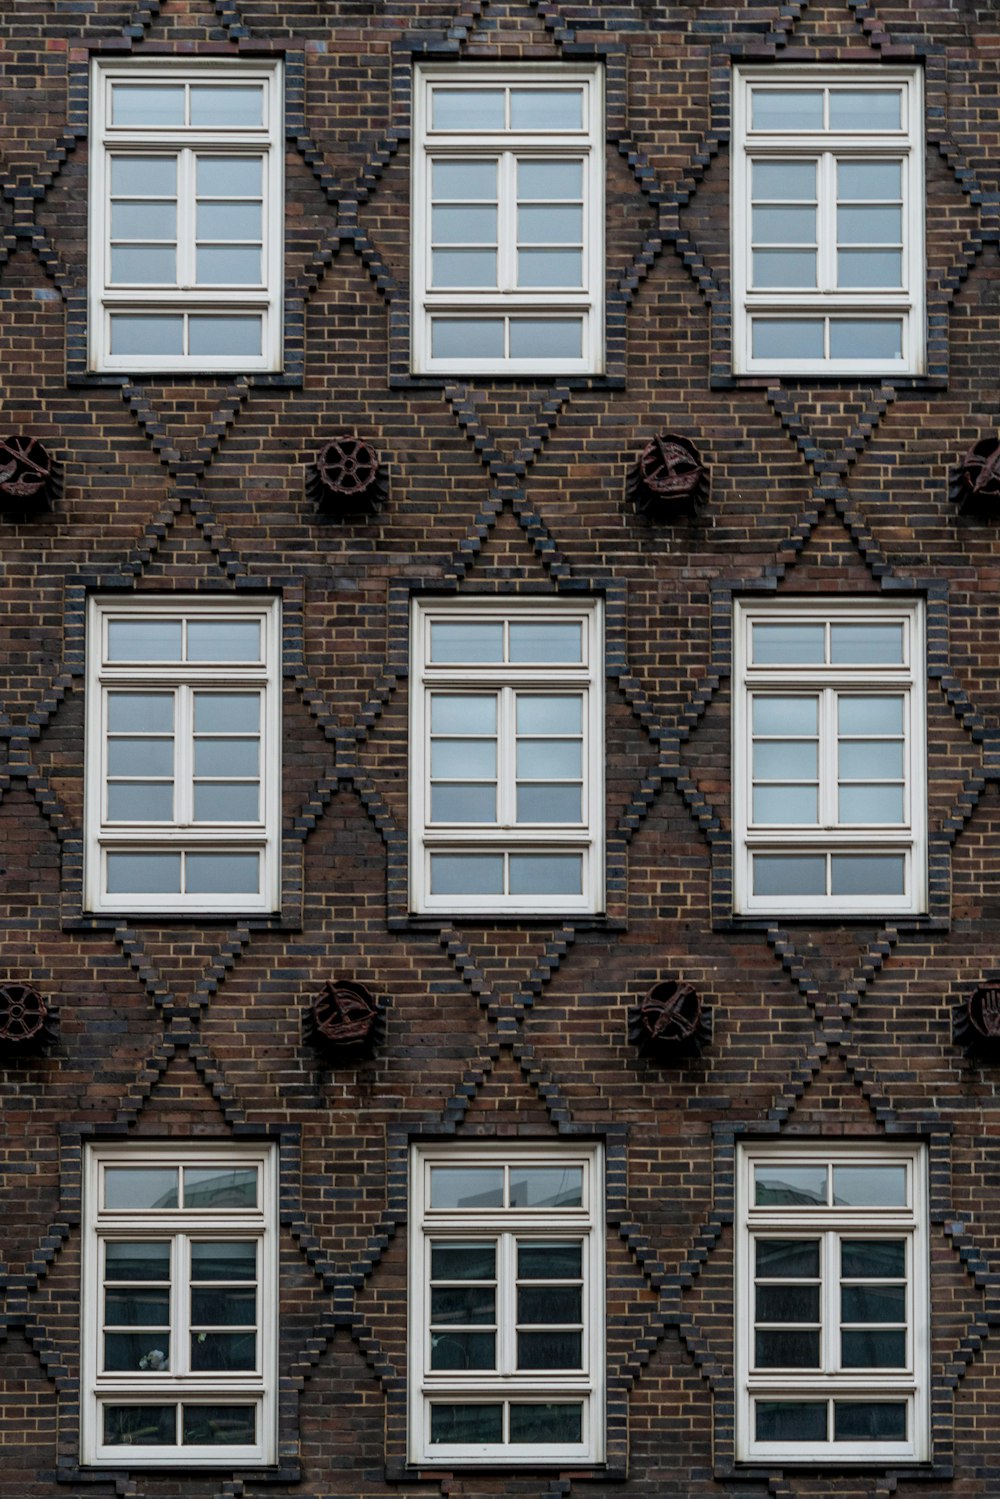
[975,483]
[24,1017]
[344,1021]
[29,476]
[670,1021]
[670,479]
[346,477]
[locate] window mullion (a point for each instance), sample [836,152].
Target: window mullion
[831,1308]
[506,756]
[506,1305]
[184,755]
[827,184]
[507,222]
[185,219]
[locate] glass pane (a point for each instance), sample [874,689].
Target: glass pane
[866,338]
[547,1304]
[466,1186]
[790,1420]
[216,757]
[865,109]
[466,1423]
[785,179]
[869,226]
[546,1423]
[546,109]
[883,1421]
[467,338]
[131,334]
[145,175]
[870,804]
[228,265]
[873,1303]
[800,1186]
[789,759]
[220,1425]
[220,1187]
[789,1259]
[546,1186]
[790,1303]
[873,1258]
[467,109]
[784,268]
[875,181]
[467,640]
[144,874]
[549,715]
[797,805]
[784,226]
[463,803]
[140,1187]
[141,801]
[457,180]
[222,874]
[787,338]
[868,874]
[463,268]
[549,1350]
[789,874]
[549,1261]
[550,226]
[463,1261]
[535,640]
[143,220]
[546,338]
[463,1350]
[227,1351]
[226,712]
[449,1304]
[869,268]
[863,644]
[546,874]
[786,109]
[147,104]
[549,268]
[227,104]
[466,874]
[144,640]
[147,1308]
[151,712]
[869,715]
[227,1260]
[140,1425]
[558,758]
[144,263]
[238,336]
[223,1308]
[466,225]
[144,1352]
[786,1349]
[784,715]
[873,1350]
[138,1260]
[549,804]
[217,802]
[869,1186]
[229,176]
[788,645]
[544,181]
[476,758]
[137,757]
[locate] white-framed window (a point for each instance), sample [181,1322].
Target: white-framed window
[186,215]
[183,754]
[829,757]
[827,220]
[180,1281]
[508,220]
[832,1327]
[506,756]
[506,1303]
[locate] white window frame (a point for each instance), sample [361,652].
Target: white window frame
[186,297]
[162,1387]
[909,1384]
[183,834]
[907,145]
[507,299]
[506,836]
[909,680]
[489,1387]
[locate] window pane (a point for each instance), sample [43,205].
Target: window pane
[865,109]
[226,1260]
[463,803]
[466,1423]
[549,1350]
[458,180]
[144,874]
[785,759]
[466,874]
[137,1260]
[873,1258]
[145,1352]
[466,225]
[798,1186]
[145,1308]
[147,104]
[546,1186]
[228,104]
[223,1351]
[870,804]
[222,874]
[790,1420]
[794,805]
[546,1423]
[141,801]
[542,181]
[872,180]
[561,759]
[217,757]
[869,1186]
[220,1187]
[238,336]
[467,109]
[220,1425]
[788,645]
[869,715]
[144,263]
[873,1303]
[541,804]
[549,1261]
[549,268]
[140,1425]
[463,1306]
[784,226]
[145,176]
[464,268]
[866,338]
[132,334]
[789,1303]
[467,640]
[467,338]
[144,640]
[137,757]
[550,226]
[546,109]
[866,643]
[869,226]
[229,1307]
[794,180]
[463,1350]
[784,268]
[786,1349]
[229,176]
[219,802]
[229,265]
[143,220]
[787,338]
[784,715]
[787,109]
[536,640]
[869,268]
[546,338]
[226,712]
[152,712]
[463,1261]
[466,1186]
[546,874]
[873,1350]
[547,1304]
[882,1421]
[471,757]
[789,1259]
[868,874]
[789,874]
[549,715]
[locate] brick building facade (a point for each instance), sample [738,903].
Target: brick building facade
[781,1240]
